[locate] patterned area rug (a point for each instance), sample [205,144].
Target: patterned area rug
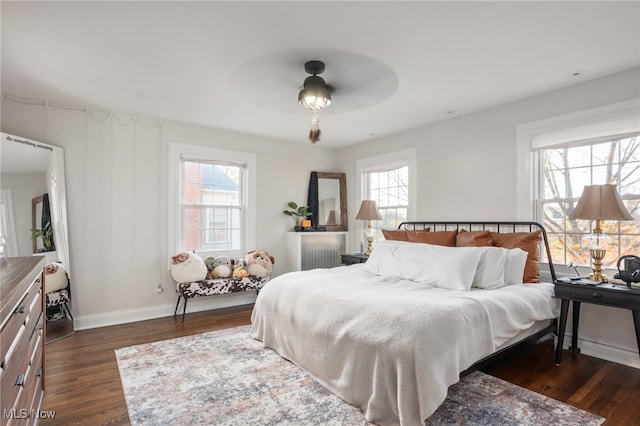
[227,378]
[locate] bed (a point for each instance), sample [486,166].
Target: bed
[392,334]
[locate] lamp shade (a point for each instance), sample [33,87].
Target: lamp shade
[368,211]
[600,202]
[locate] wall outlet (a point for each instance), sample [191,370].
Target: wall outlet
[159,288]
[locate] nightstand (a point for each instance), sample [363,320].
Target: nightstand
[352,258]
[606,294]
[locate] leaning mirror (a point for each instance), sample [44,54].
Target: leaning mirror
[33,220]
[327,199]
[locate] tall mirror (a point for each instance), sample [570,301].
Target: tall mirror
[327,200]
[33,220]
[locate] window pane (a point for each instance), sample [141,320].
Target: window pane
[605,153]
[565,172]
[211,206]
[390,190]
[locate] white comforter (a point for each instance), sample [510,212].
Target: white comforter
[391,347]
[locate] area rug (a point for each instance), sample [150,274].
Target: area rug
[227,378]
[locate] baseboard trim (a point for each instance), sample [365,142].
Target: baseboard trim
[607,352]
[133,315]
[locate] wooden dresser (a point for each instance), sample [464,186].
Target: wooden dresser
[21,339]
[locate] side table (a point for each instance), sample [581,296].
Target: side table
[578,291]
[351,258]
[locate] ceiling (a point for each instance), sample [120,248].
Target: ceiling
[239,65]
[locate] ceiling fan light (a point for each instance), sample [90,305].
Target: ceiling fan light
[314,98]
[315,94]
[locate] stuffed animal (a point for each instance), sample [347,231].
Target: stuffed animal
[55,277]
[188,267]
[259,263]
[239,268]
[210,263]
[221,267]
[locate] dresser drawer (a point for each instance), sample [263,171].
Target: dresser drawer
[594,295]
[13,324]
[14,369]
[27,310]
[34,318]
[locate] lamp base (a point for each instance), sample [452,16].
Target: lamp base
[600,278]
[369,246]
[597,275]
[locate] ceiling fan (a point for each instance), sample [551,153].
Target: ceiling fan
[315,95]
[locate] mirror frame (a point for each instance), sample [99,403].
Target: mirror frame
[56,188]
[313,201]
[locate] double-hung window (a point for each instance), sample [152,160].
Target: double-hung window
[389,188]
[564,170]
[390,181]
[214,198]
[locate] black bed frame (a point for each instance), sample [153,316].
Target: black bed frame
[500,227]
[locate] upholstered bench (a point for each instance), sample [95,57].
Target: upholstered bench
[216,286]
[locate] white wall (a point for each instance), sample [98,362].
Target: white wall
[116,171]
[468,168]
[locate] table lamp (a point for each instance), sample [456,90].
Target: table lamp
[369,211]
[599,203]
[331,220]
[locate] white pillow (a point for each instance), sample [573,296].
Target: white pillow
[491,268]
[445,267]
[514,266]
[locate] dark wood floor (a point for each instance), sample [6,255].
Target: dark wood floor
[83,383]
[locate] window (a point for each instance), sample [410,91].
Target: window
[390,190]
[213,199]
[564,171]
[389,180]
[211,206]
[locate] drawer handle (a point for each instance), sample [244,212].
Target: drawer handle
[597,295]
[20,380]
[38,326]
[39,372]
[19,310]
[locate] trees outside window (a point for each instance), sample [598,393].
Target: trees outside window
[564,171]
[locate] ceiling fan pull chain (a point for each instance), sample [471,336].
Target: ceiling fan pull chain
[314,133]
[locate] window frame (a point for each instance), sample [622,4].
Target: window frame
[541,202]
[177,153]
[406,157]
[564,129]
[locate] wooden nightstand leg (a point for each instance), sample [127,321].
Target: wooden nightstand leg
[576,321]
[636,323]
[564,312]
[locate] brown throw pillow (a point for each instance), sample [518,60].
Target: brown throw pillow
[400,234]
[440,238]
[529,242]
[395,234]
[474,238]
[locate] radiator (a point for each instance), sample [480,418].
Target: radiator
[317,249]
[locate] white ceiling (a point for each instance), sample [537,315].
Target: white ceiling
[239,65]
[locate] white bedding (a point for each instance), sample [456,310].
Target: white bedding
[389,346]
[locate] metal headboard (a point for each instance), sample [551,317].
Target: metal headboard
[499,226]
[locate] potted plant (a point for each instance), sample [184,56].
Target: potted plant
[46,233]
[297,213]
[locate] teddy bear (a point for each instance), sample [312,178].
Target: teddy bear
[187,267]
[55,277]
[239,268]
[259,263]
[219,267]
